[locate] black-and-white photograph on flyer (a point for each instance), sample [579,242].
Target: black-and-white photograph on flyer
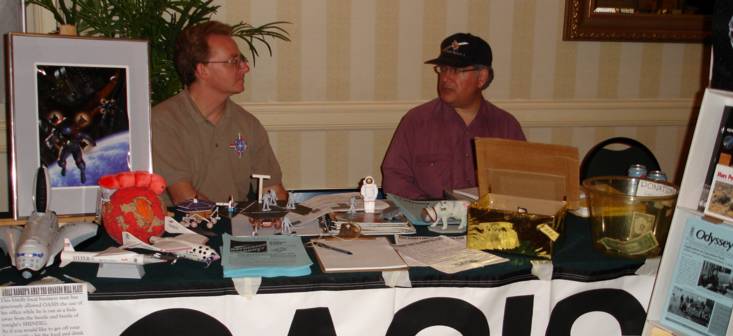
[716,278]
[691,306]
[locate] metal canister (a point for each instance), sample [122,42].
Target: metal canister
[657,175]
[637,170]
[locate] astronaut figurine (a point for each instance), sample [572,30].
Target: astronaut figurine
[291,201]
[369,192]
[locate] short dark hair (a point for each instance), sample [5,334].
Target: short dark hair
[192,47]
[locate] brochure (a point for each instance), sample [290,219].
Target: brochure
[720,202]
[264,256]
[700,297]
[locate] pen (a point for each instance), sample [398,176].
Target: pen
[332,248]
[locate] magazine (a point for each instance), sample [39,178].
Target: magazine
[720,202]
[268,256]
[700,297]
[722,151]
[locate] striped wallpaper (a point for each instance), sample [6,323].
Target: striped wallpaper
[370,53]
[332,97]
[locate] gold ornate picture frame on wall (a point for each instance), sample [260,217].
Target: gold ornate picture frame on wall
[636,20]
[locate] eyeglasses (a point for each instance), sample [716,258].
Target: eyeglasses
[449,70]
[235,61]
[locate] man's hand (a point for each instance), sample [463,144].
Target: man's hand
[183,191]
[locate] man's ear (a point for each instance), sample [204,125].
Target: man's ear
[486,75]
[201,70]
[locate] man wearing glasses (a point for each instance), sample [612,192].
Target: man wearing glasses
[432,150]
[205,145]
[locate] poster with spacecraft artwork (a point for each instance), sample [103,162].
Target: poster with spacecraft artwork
[83,123]
[81,107]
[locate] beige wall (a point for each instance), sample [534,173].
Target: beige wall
[332,97]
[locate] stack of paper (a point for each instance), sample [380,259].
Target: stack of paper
[445,254]
[264,256]
[357,255]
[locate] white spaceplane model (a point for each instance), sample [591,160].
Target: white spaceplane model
[112,255]
[187,246]
[35,245]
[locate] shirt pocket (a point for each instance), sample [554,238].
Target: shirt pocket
[433,169]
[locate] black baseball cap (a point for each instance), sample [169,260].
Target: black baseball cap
[463,49]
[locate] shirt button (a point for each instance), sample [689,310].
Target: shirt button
[467,155]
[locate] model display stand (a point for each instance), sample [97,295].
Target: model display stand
[126,271]
[687,211]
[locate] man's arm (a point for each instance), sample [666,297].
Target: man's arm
[183,191]
[397,168]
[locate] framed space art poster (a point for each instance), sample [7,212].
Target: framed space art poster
[79,106]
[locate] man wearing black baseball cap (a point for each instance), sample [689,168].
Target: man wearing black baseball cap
[431,150]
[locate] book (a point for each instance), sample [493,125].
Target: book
[722,152]
[357,255]
[264,256]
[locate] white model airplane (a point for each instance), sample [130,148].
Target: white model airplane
[190,246]
[112,255]
[35,245]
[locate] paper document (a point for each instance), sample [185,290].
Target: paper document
[367,255]
[264,256]
[700,297]
[446,254]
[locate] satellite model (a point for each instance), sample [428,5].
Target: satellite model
[35,245]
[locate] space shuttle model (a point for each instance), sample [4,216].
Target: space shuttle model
[34,246]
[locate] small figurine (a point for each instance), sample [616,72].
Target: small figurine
[291,201]
[266,202]
[287,226]
[369,192]
[443,210]
[273,197]
[352,205]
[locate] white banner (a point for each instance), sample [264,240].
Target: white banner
[536,307]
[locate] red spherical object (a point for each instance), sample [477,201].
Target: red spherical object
[136,210]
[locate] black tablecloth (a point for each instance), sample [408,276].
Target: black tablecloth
[573,259]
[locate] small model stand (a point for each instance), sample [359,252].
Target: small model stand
[265,212]
[126,271]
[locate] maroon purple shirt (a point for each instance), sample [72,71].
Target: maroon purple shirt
[432,149]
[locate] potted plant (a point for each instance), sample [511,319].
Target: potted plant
[159,22]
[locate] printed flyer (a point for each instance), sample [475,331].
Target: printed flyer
[701,295]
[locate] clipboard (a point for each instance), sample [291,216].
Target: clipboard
[367,255]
